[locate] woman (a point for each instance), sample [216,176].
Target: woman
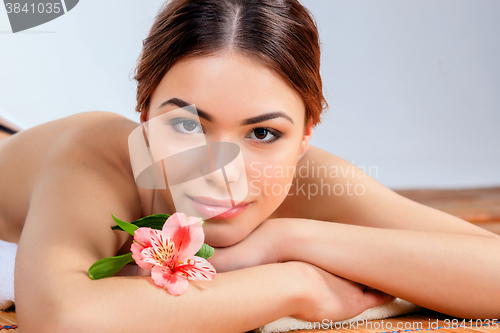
[252,69]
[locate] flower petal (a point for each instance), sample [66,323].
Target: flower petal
[143,236]
[172,224]
[150,256]
[159,275]
[196,268]
[173,283]
[139,257]
[164,248]
[190,220]
[177,285]
[188,240]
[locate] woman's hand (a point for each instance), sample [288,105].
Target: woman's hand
[331,297]
[132,269]
[142,272]
[258,248]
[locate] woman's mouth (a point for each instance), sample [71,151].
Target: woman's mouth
[215,208]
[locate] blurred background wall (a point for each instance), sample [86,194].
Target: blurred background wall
[413,86]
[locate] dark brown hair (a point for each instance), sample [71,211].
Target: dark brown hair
[280,34]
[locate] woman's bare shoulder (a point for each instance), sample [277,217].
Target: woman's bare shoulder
[92,129]
[320,157]
[95,139]
[336,190]
[89,134]
[327,187]
[315,168]
[100,134]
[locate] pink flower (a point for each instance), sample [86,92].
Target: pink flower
[170,253]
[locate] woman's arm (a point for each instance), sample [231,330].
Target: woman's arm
[453,273]
[397,245]
[382,240]
[68,228]
[456,274]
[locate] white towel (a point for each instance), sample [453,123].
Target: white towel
[7,259]
[8,120]
[393,308]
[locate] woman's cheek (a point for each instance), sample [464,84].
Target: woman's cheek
[270,183]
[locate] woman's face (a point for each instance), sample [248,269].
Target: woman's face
[245,103]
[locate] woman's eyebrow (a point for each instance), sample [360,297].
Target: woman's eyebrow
[266,116]
[185,105]
[202,114]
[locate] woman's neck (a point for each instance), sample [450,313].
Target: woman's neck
[158,205]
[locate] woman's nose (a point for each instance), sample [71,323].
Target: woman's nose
[224,176]
[224,168]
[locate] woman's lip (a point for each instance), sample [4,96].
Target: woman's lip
[226,203]
[206,207]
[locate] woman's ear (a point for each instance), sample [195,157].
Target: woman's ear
[144,116]
[304,144]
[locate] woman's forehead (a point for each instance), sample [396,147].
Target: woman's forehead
[229,82]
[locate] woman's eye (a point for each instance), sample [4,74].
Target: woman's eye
[263,134]
[188,126]
[260,133]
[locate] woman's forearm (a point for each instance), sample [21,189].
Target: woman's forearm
[233,302]
[456,274]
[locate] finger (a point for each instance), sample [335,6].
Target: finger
[374,297]
[127,270]
[224,259]
[217,260]
[142,272]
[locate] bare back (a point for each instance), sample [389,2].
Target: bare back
[101,136]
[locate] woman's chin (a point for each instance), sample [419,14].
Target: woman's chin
[221,236]
[228,232]
[220,242]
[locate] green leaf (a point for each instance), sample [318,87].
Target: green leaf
[125,226]
[155,221]
[106,267]
[206,251]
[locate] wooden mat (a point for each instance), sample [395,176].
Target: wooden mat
[479,205]
[8,318]
[422,321]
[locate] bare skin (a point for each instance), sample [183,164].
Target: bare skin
[4,135]
[61,180]
[59,194]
